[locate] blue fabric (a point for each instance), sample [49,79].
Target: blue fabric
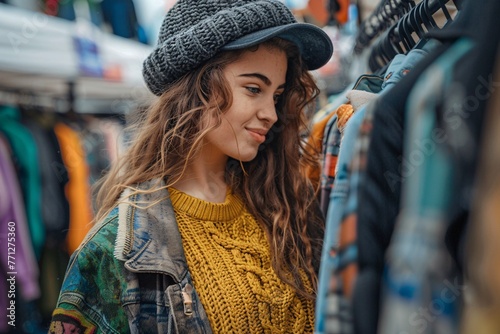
[120,14]
[394,67]
[402,65]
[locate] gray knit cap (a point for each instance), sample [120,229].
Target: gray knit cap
[193,31]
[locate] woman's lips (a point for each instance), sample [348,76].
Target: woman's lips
[258,135]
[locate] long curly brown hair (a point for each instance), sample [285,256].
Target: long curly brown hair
[273,185]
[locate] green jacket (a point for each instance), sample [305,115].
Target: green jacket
[130,275]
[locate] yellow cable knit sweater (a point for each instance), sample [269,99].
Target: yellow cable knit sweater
[228,256]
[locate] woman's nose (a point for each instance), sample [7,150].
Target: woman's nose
[268,112]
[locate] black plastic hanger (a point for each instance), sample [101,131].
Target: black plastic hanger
[410,30]
[424,17]
[384,51]
[395,39]
[415,22]
[405,31]
[386,14]
[400,37]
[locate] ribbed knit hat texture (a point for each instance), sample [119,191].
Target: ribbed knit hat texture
[193,31]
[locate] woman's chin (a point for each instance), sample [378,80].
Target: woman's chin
[246,157]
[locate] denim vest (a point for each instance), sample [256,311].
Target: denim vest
[130,274]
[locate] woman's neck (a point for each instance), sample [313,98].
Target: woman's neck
[204,178]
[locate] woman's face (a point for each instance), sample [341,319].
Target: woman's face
[256,80]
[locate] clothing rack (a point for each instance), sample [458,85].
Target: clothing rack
[68,96]
[409,30]
[27,98]
[386,14]
[68,66]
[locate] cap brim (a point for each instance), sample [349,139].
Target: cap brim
[314,44]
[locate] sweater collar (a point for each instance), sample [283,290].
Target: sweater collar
[148,238]
[206,211]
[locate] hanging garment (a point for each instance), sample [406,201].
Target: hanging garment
[353,165]
[331,146]
[482,306]
[386,172]
[326,306]
[96,154]
[53,178]
[18,261]
[55,213]
[330,153]
[418,264]
[78,187]
[475,85]
[341,220]
[379,193]
[315,141]
[25,155]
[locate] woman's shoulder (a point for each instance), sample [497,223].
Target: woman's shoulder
[139,214]
[102,235]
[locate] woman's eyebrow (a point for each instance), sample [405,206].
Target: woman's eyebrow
[260,76]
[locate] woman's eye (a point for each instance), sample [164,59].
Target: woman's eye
[253,90]
[276,98]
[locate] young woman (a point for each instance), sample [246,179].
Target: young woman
[208,224]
